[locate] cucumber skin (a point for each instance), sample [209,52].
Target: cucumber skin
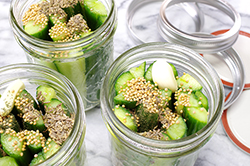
[191,81]
[148,73]
[43,34]
[204,100]
[194,124]
[37,159]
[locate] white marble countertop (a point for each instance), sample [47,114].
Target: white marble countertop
[219,151]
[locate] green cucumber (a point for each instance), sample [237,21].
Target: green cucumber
[13,146]
[146,120]
[9,121]
[74,70]
[167,95]
[35,141]
[8,161]
[96,13]
[33,120]
[120,100]
[125,117]
[37,30]
[56,104]
[185,99]
[138,72]
[186,81]
[59,32]
[37,159]
[23,100]
[178,129]
[58,15]
[203,99]
[121,82]
[148,73]
[44,94]
[50,148]
[196,118]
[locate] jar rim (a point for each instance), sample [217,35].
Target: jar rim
[129,136]
[201,42]
[78,130]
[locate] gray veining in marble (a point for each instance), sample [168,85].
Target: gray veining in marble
[219,151]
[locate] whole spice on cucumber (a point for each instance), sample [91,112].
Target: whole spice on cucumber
[29,134]
[165,111]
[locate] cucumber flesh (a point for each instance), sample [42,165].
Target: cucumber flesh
[186,81]
[196,118]
[34,141]
[167,95]
[125,117]
[56,104]
[9,121]
[8,161]
[138,71]
[59,32]
[96,13]
[178,129]
[185,99]
[58,16]
[174,70]
[37,30]
[121,82]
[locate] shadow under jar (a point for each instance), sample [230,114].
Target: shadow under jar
[130,148]
[72,151]
[92,54]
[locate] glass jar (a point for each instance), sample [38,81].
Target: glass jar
[93,54]
[73,151]
[130,148]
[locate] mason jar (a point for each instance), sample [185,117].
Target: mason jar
[130,148]
[73,151]
[93,53]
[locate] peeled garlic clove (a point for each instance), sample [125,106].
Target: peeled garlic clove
[163,75]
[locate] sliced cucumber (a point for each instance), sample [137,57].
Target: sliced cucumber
[120,100]
[96,13]
[188,82]
[23,99]
[125,117]
[178,129]
[58,15]
[203,99]
[138,71]
[13,146]
[167,95]
[35,141]
[165,137]
[8,161]
[59,32]
[56,104]
[37,159]
[74,70]
[148,73]
[38,30]
[50,148]
[44,94]
[196,118]
[146,120]
[33,120]
[121,82]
